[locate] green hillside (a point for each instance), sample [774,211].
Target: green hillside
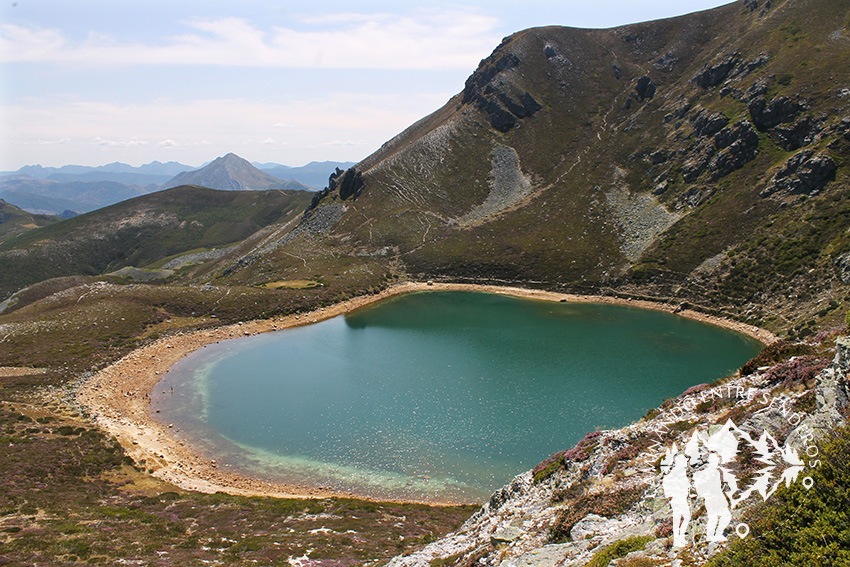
[15,221]
[141,231]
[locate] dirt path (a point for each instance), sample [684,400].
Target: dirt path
[118,396]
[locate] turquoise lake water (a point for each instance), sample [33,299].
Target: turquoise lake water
[436,396]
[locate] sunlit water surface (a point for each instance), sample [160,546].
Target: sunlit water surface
[436,396]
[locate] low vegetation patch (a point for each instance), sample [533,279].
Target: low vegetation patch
[292,284]
[798,526]
[617,550]
[604,503]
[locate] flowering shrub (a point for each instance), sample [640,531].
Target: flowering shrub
[798,370]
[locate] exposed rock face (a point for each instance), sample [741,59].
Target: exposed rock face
[730,148]
[801,133]
[614,490]
[731,67]
[781,109]
[713,75]
[737,145]
[804,173]
[645,88]
[503,104]
[706,124]
[348,183]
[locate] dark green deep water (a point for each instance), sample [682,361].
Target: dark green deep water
[440,396]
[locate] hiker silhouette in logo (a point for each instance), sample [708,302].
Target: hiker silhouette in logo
[721,448]
[676,487]
[708,483]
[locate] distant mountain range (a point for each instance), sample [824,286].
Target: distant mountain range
[72,189]
[314,175]
[108,172]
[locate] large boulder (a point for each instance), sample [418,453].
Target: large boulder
[645,88]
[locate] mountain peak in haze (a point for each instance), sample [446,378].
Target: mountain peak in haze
[231,173]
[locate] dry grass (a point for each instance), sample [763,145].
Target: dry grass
[292,284]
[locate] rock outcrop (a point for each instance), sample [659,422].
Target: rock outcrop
[645,88]
[713,75]
[736,145]
[780,110]
[342,184]
[504,105]
[805,173]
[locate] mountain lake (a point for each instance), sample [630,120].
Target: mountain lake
[435,396]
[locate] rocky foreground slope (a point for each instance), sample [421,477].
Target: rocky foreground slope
[608,493]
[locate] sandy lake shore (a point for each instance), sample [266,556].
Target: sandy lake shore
[118,396]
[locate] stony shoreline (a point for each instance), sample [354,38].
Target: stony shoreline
[118,399]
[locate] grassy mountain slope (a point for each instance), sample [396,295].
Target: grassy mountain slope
[141,231]
[15,221]
[697,159]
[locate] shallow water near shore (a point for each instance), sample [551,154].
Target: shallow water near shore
[434,396]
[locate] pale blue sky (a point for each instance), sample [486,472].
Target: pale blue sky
[95,81]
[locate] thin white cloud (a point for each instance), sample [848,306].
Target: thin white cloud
[118,143]
[335,126]
[52,142]
[433,40]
